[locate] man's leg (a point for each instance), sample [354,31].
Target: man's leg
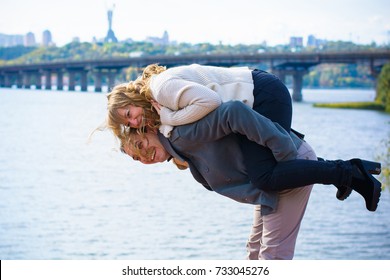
[253,243]
[274,236]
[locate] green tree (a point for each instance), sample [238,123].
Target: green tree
[383,96]
[383,87]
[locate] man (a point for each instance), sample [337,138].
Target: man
[268,240]
[211,147]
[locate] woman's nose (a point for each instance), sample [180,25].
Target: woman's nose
[134,123]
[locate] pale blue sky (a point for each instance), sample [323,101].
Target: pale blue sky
[229,21]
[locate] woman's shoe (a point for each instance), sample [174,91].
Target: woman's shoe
[343,192]
[364,183]
[371,166]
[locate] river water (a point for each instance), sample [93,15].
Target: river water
[63,197]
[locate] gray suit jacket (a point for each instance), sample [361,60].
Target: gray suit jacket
[211,148]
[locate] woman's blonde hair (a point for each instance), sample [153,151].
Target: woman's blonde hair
[152,69]
[136,93]
[125,94]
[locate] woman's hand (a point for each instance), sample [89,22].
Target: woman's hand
[156,106]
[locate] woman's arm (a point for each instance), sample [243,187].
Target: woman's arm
[184,102]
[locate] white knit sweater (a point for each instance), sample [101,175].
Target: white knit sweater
[188,93]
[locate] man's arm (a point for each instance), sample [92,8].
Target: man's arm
[236,117]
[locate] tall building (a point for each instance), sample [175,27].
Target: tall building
[29,40]
[46,38]
[110,34]
[296,42]
[11,40]
[312,41]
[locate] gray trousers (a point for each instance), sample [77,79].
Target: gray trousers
[273,236]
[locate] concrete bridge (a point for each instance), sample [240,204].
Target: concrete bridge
[281,64]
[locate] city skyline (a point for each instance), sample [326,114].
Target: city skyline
[254,21]
[29,40]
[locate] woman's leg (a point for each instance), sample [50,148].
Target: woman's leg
[272,100]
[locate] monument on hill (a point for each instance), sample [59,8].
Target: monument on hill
[110,34]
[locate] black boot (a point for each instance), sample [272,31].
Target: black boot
[364,183]
[343,191]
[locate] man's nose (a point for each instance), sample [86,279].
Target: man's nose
[144,159]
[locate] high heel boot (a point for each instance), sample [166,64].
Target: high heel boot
[364,183]
[343,190]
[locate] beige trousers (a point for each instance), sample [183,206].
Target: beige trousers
[273,236]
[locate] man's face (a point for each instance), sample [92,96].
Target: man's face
[150,149]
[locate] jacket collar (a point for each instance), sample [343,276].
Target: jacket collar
[167,145]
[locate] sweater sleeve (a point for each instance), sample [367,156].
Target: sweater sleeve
[184,102]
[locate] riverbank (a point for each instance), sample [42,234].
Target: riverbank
[353,105]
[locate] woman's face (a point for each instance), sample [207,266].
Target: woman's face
[131,116]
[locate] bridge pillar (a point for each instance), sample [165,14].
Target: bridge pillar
[72,80]
[135,72]
[98,81]
[60,82]
[111,79]
[27,80]
[84,80]
[374,70]
[281,75]
[7,80]
[298,84]
[48,79]
[38,80]
[19,80]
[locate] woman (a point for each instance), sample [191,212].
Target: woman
[186,94]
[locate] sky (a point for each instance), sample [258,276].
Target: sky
[198,21]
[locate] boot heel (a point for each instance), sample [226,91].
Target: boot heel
[372,167]
[369,187]
[375,195]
